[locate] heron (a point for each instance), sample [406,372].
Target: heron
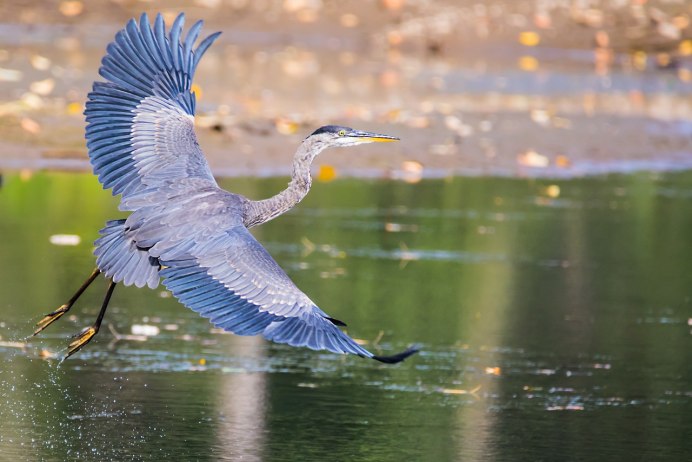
[183,229]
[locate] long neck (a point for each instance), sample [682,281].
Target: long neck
[259,212]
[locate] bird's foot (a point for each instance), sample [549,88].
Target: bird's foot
[80,340]
[50,318]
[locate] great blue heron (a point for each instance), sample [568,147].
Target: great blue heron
[183,227]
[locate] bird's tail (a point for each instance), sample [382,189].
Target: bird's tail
[119,258]
[397,358]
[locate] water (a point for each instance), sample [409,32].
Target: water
[554,318]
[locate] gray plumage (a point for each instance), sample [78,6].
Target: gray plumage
[183,227]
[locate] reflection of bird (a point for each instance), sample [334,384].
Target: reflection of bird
[183,227]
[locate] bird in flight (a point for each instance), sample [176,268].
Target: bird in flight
[183,229]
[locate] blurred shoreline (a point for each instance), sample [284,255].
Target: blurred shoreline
[538,89]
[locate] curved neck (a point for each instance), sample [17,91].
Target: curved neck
[259,212]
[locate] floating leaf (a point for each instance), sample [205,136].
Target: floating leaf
[197,90]
[562,161]
[529,38]
[685,48]
[400,227]
[540,116]
[71,8]
[326,173]
[74,108]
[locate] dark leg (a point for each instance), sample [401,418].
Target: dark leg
[55,315]
[87,334]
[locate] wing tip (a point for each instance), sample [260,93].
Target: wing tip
[336,322]
[399,357]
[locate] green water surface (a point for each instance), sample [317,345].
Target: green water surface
[554,319]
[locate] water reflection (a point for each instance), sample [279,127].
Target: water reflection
[553,317]
[242,401]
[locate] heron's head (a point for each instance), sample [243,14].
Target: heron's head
[337,136]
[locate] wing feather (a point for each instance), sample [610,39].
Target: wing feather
[140,129]
[232,280]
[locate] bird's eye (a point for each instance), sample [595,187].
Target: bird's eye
[342,132]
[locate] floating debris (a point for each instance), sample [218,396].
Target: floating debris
[411,172]
[43,87]
[40,63]
[400,227]
[552,191]
[460,391]
[10,75]
[533,159]
[286,126]
[46,354]
[65,239]
[9,344]
[308,246]
[569,407]
[307,385]
[147,330]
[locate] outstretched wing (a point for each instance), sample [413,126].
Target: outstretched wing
[232,280]
[140,124]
